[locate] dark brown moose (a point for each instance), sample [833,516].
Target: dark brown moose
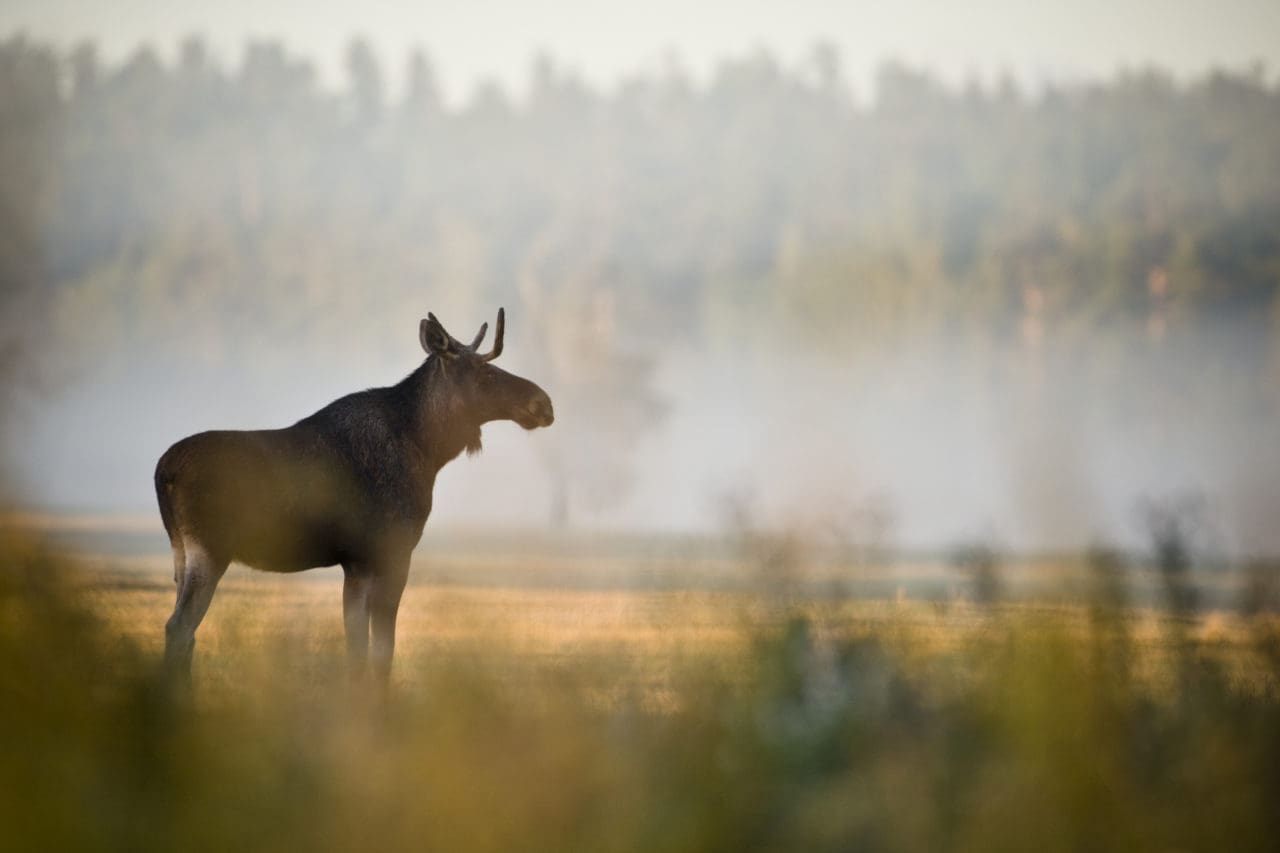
[350,485]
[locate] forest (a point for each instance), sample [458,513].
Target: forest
[1116,242]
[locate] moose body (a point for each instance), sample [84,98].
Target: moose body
[349,485]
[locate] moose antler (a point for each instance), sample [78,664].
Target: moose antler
[497,337]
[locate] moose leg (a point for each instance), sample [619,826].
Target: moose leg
[199,578]
[356,586]
[384,603]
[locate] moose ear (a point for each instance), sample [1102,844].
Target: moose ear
[433,337]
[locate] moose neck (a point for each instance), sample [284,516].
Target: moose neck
[438,422]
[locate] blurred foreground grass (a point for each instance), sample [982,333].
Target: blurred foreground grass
[629,720]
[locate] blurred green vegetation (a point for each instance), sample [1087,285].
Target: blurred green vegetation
[1035,728]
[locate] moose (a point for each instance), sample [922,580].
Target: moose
[349,485]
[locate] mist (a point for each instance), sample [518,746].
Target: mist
[966,310]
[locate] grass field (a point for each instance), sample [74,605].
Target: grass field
[628,713]
[639,636]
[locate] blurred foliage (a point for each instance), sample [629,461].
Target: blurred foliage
[979,563]
[1171,527]
[1034,730]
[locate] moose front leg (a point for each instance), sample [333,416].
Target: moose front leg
[384,603]
[356,586]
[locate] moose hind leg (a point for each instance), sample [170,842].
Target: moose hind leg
[384,603]
[356,587]
[199,578]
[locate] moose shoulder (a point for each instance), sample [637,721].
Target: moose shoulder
[349,485]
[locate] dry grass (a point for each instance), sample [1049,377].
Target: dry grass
[641,635]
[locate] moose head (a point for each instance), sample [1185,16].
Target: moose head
[470,390]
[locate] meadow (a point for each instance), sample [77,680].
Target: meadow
[663,707]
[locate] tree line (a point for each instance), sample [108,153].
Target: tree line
[188,185]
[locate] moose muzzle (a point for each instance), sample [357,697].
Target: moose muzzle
[538,412]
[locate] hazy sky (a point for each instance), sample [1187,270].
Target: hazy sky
[603,40]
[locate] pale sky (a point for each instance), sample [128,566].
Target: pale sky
[473,39]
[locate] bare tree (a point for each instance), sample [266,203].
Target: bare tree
[608,388]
